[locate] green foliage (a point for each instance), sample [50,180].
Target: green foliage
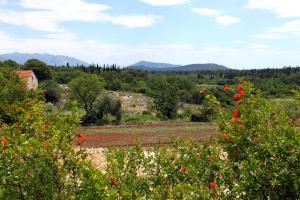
[12,90]
[256,156]
[40,69]
[37,156]
[52,91]
[11,63]
[138,118]
[166,98]
[106,106]
[85,90]
[64,76]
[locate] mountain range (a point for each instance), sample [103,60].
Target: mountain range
[61,60]
[54,60]
[166,67]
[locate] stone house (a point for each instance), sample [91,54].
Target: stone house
[29,79]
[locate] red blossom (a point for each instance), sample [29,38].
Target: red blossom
[229,140]
[46,124]
[114,181]
[234,120]
[254,137]
[236,113]
[243,94]
[236,97]
[183,169]
[4,141]
[238,102]
[45,144]
[203,91]
[224,135]
[81,136]
[45,131]
[237,154]
[29,102]
[226,88]
[239,87]
[213,185]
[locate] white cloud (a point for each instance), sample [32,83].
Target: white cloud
[218,15]
[269,36]
[258,46]
[3,2]
[227,20]
[165,2]
[172,53]
[207,12]
[48,15]
[289,29]
[282,8]
[135,21]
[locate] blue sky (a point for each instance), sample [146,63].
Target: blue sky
[236,33]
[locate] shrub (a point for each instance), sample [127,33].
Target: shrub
[40,69]
[38,159]
[85,90]
[52,91]
[255,156]
[106,106]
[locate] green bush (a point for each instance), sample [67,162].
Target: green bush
[40,69]
[52,91]
[256,156]
[104,107]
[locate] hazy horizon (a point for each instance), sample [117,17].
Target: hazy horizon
[239,34]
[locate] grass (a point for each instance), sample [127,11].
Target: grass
[167,128]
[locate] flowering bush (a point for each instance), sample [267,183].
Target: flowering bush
[255,156]
[37,155]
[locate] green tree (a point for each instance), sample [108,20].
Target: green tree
[166,99]
[41,70]
[86,89]
[11,63]
[52,91]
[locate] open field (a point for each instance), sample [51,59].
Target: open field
[145,134]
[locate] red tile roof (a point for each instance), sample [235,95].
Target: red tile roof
[24,74]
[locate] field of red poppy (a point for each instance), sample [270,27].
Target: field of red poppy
[145,134]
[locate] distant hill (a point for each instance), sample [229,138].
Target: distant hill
[165,67]
[145,65]
[54,60]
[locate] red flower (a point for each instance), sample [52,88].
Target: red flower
[203,91]
[45,131]
[237,154]
[238,102]
[29,102]
[45,144]
[224,136]
[229,140]
[254,138]
[81,136]
[236,97]
[46,124]
[236,113]
[239,87]
[234,120]
[4,141]
[243,94]
[183,169]
[213,185]
[114,181]
[226,88]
